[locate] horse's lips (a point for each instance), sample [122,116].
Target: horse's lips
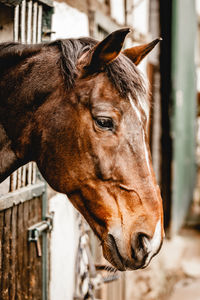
[114,256]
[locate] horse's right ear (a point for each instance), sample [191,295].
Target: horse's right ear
[107,50]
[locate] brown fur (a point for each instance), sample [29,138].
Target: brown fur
[51,97]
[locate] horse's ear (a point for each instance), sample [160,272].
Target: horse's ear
[108,49]
[136,54]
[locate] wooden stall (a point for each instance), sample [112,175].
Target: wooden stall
[24,224]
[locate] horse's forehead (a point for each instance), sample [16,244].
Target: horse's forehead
[140,107]
[102,90]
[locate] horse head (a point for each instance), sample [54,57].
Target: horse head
[81,113]
[100,155]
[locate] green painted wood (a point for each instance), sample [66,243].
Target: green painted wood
[184,25]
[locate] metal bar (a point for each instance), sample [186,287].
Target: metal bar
[16,23]
[19,196]
[35,9]
[39,25]
[29,22]
[23,20]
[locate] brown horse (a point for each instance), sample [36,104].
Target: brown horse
[79,109]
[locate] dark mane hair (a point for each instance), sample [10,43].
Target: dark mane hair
[123,74]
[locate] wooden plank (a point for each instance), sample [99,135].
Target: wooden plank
[23,176]
[38,205]
[32,253]
[16,23]
[1,248]
[20,232]
[25,248]
[35,8]
[29,22]
[34,173]
[19,178]
[13,258]
[22,195]
[13,181]
[5,282]
[37,290]
[39,24]
[23,20]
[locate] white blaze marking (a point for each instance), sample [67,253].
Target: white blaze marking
[153,244]
[135,109]
[156,240]
[146,152]
[144,106]
[143,134]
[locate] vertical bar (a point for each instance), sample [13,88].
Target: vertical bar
[23,176]
[13,258]
[1,245]
[23,20]
[19,176]
[39,25]
[29,173]
[35,9]
[13,181]
[34,174]
[29,22]
[16,23]
[45,265]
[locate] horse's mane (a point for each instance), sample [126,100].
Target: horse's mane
[123,74]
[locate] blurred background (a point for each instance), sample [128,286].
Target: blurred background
[46,249]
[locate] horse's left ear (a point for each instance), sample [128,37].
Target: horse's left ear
[136,54]
[108,49]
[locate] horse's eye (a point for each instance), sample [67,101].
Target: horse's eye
[105,123]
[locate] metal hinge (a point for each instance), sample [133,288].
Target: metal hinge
[36,230]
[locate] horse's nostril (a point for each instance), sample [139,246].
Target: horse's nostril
[144,241]
[140,246]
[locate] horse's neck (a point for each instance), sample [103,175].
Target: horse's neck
[8,159]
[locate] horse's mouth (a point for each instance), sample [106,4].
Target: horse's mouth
[113,256]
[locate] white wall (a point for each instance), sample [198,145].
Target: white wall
[63,248]
[140,19]
[117,10]
[67,22]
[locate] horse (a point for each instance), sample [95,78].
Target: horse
[79,108]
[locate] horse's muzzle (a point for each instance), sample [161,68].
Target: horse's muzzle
[142,248]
